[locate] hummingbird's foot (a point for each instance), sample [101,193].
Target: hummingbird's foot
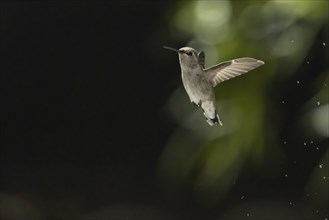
[213,121]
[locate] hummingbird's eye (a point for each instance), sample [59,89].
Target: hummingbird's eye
[189,53]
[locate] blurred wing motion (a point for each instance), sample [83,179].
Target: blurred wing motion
[201,58]
[230,69]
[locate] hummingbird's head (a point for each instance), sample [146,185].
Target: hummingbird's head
[188,56]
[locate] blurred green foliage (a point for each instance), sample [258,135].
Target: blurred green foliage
[210,159]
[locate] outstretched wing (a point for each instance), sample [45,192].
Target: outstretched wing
[230,69]
[201,58]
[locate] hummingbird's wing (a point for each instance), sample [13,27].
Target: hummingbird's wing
[230,69]
[201,58]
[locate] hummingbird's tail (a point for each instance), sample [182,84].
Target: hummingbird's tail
[209,111]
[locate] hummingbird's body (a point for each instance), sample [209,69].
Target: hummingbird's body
[200,92]
[199,82]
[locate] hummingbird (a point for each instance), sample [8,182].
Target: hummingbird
[199,81]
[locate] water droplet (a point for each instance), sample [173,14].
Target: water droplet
[282,102]
[318,103]
[317,148]
[297,81]
[324,177]
[311,142]
[292,41]
[305,144]
[290,203]
[317,211]
[248,214]
[320,166]
[325,218]
[242,197]
[286,175]
[308,62]
[324,43]
[285,142]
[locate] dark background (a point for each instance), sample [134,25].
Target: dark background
[83,123]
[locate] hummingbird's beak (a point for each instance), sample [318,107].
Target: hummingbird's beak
[170,48]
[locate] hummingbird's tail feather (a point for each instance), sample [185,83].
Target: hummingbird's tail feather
[209,111]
